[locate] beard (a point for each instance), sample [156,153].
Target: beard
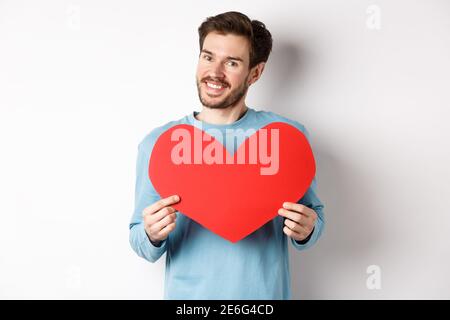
[227,101]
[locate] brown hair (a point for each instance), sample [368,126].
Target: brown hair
[239,24]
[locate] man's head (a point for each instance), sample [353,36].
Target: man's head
[233,53]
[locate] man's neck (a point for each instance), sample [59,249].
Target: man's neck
[221,116]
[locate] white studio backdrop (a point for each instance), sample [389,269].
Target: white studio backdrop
[82,82]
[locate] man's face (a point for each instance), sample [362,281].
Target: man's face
[222,71]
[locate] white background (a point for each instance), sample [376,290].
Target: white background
[82,82]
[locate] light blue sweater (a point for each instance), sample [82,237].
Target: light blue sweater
[199,263]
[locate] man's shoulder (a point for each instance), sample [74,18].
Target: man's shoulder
[150,138]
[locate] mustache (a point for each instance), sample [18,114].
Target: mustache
[224,83]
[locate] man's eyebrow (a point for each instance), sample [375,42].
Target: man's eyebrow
[229,58]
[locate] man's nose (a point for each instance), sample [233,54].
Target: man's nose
[217,70]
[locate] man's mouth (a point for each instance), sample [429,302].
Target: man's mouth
[214,87]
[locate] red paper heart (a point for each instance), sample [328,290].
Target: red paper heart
[232,200]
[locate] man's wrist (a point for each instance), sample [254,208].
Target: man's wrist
[154,243]
[157,243]
[305,241]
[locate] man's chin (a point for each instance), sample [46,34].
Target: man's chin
[214,105]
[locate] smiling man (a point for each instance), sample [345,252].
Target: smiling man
[199,263]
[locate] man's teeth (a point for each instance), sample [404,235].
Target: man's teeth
[213,86]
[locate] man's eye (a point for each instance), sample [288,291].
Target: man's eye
[232,63]
[207,58]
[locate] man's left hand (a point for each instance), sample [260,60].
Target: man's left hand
[299,222]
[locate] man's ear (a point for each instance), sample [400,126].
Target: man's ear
[256,72]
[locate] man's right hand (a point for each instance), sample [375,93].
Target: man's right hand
[159,219]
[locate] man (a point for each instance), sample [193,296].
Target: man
[199,263]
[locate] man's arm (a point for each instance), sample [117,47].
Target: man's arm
[311,201]
[145,195]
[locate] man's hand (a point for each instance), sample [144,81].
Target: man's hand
[159,219]
[299,222]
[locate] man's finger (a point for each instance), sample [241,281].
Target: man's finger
[158,226]
[301,219]
[158,205]
[160,214]
[291,233]
[294,216]
[303,230]
[297,207]
[292,225]
[167,229]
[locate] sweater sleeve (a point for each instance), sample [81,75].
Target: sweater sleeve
[145,195]
[311,200]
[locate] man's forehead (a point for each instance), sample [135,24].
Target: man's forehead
[226,45]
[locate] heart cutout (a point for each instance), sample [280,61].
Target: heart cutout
[245,191]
